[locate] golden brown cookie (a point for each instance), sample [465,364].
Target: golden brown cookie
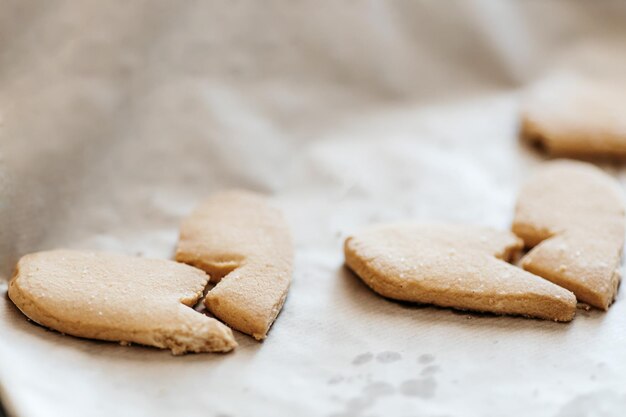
[245,246]
[572,213]
[118,298]
[462,267]
[576,116]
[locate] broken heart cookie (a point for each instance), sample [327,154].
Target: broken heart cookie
[118,298]
[575,116]
[245,246]
[572,214]
[462,267]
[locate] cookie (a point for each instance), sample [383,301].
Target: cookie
[245,246]
[462,267]
[572,215]
[575,116]
[118,298]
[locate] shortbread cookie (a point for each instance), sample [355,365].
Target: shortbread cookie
[245,246]
[462,267]
[118,298]
[572,213]
[574,116]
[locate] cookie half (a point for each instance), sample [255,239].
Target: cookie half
[245,246]
[118,298]
[462,267]
[576,116]
[572,215]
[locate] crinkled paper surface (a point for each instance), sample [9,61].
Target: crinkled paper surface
[118,117]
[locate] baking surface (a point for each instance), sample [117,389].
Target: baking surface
[117,118]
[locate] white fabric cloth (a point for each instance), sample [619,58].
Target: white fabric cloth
[118,117]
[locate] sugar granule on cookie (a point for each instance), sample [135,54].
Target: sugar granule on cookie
[572,215]
[118,298]
[245,246]
[462,267]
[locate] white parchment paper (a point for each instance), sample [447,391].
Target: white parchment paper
[118,117]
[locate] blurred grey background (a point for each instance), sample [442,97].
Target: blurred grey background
[83,80]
